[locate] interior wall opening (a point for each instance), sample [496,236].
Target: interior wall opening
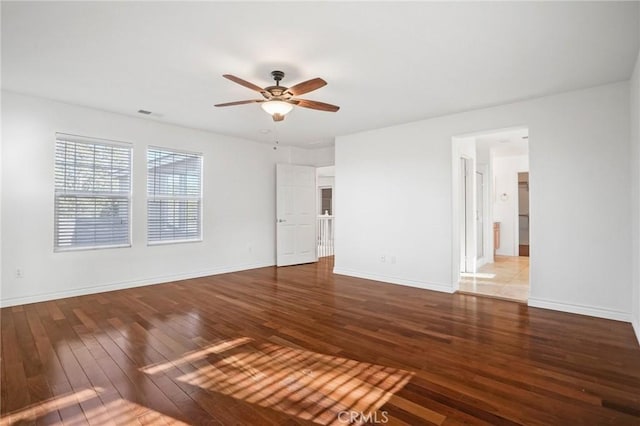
[491,237]
[325,183]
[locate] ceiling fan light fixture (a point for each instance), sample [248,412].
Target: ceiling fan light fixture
[276,107]
[279,100]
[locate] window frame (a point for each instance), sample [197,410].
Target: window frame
[87,140]
[200,198]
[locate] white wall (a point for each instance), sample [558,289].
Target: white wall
[326,181]
[319,157]
[505,211]
[1,144]
[239,204]
[635,194]
[579,189]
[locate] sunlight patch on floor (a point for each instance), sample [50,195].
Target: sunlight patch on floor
[97,408]
[305,384]
[37,410]
[196,355]
[477,275]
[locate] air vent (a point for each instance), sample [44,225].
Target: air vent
[144,111]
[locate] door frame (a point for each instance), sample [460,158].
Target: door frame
[467,220]
[458,143]
[460,146]
[487,224]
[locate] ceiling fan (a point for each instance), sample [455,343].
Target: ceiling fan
[279,100]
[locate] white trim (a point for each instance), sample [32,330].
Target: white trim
[164,242]
[101,288]
[65,249]
[591,311]
[68,137]
[444,288]
[178,150]
[636,327]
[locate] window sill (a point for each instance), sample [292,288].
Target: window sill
[72,249]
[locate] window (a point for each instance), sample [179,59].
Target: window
[174,196]
[92,193]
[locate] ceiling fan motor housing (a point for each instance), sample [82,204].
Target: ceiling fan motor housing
[277,91]
[277,75]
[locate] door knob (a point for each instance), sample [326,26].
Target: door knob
[281,220]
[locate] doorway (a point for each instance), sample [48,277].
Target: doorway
[523,214]
[325,187]
[326,200]
[491,178]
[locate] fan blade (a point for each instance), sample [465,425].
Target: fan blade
[244,83]
[239,103]
[316,105]
[307,86]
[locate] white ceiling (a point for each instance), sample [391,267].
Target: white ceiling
[386,63]
[505,143]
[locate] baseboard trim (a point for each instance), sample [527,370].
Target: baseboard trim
[395,280]
[101,288]
[591,311]
[636,328]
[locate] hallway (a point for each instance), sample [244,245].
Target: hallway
[506,278]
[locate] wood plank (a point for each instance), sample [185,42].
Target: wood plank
[288,346]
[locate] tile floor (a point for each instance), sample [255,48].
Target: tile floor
[506,278]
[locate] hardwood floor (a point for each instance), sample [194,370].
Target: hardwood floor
[299,345]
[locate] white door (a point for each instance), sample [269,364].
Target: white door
[295,214]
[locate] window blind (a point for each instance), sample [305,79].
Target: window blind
[174,196]
[92,193]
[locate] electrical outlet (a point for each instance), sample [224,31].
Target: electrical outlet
[383,259]
[19,273]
